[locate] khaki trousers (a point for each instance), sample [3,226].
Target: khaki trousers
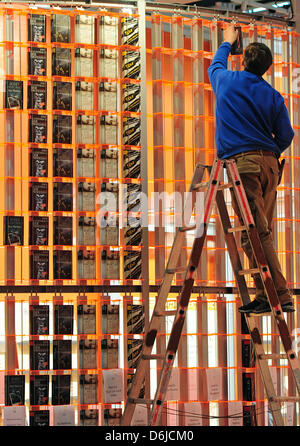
[259,174]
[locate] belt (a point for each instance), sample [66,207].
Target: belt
[257,152]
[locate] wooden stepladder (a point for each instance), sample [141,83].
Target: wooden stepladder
[214,193]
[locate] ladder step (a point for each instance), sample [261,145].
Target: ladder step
[243,272]
[165,313]
[199,186]
[225,186]
[180,269]
[187,228]
[149,357]
[282,399]
[236,229]
[139,401]
[273,356]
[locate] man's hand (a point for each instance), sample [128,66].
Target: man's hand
[230,34]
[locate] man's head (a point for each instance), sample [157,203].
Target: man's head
[257,58]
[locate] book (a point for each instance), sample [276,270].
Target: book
[84,95]
[62,129]
[38,129]
[61,389]
[13,230]
[62,162]
[88,350]
[14,390]
[113,385]
[246,353]
[86,264]
[89,417]
[86,196]
[85,134]
[109,163]
[112,417]
[86,319]
[131,64]
[38,231]
[130,375]
[131,131]
[39,196]
[235,409]
[109,129]
[135,319]
[108,30]
[132,264]
[14,95]
[132,97]
[37,61]
[64,416]
[87,231]
[193,414]
[61,62]
[129,31]
[248,387]
[63,231]
[140,416]
[39,418]
[60,28]
[108,96]
[134,349]
[37,95]
[244,326]
[88,389]
[110,319]
[109,64]
[62,354]
[62,96]
[133,197]
[110,353]
[39,265]
[39,162]
[133,233]
[249,416]
[39,319]
[109,229]
[62,196]
[63,319]
[62,265]
[37,28]
[14,416]
[84,62]
[84,29]
[39,355]
[110,264]
[111,199]
[39,390]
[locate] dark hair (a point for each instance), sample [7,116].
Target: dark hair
[257,58]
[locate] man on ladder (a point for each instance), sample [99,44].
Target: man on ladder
[253,127]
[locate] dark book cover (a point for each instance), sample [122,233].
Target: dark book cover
[62,129]
[60,28]
[89,417]
[132,264]
[37,95]
[39,418]
[246,353]
[63,319]
[38,129]
[62,196]
[14,390]
[131,64]
[39,319]
[62,354]
[13,230]
[88,349]
[130,31]
[135,319]
[133,197]
[248,387]
[37,28]
[131,163]
[131,131]
[86,319]
[39,355]
[134,349]
[130,375]
[112,417]
[37,61]
[39,162]
[39,390]
[62,163]
[61,385]
[249,416]
[14,95]
[88,389]
[38,231]
[39,196]
[61,62]
[132,97]
[133,234]
[63,231]
[39,265]
[244,326]
[62,265]
[62,96]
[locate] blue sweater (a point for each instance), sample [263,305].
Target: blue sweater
[250,114]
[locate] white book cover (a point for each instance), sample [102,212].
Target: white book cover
[113,385]
[173,387]
[14,416]
[140,416]
[290,414]
[64,416]
[192,414]
[214,384]
[235,410]
[193,384]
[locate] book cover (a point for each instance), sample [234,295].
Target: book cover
[86,319]
[140,416]
[39,162]
[38,231]
[62,129]
[14,95]
[39,319]
[37,28]
[63,231]
[135,319]
[110,353]
[84,95]
[246,353]
[61,62]
[60,28]
[39,390]
[63,319]
[131,163]
[62,354]
[113,385]
[110,264]
[134,349]
[130,31]
[62,196]
[112,417]
[132,97]
[38,129]
[131,131]
[62,162]
[89,417]
[61,389]
[37,95]
[62,264]
[133,197]
[39,265]
[133,233]
[130,375]
[109,232]
[64,416]
[112,204]
[88,352]
[84,29]
[39,355]
[39,196]
[109,63]
[109,163]
[85,134]
[88,389]
[108,96]
[110,319]
[132,264]
[86,264]
[86,196]
[131,64]
[62,96]
[244,326]
[109,129]
[39,418]
[249,416]
[108,30]
[84,62]
[13,230]
[37,61]
[193,414]
[87,231]
[14,416]
[14,390]
[248,387]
